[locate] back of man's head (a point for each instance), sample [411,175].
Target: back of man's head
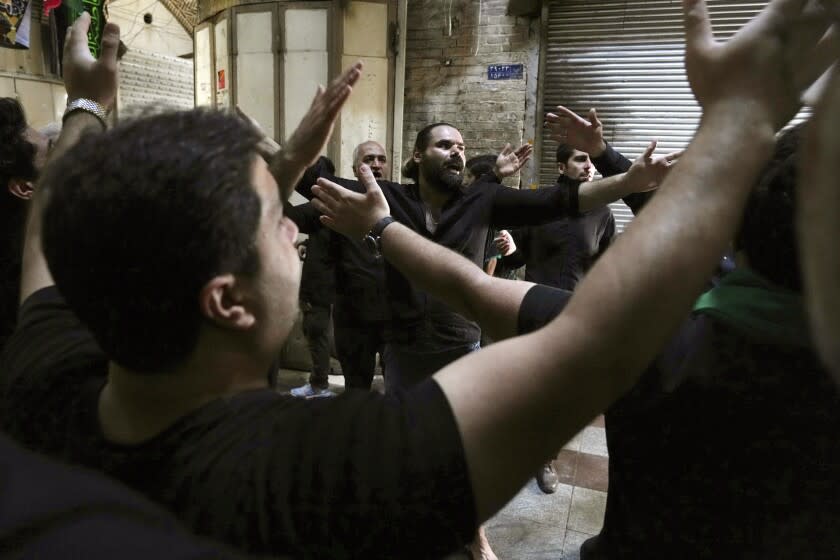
[139,218]
[17,155]
[17,164]
[767,235]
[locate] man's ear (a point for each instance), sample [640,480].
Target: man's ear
[21,189]
[221,301]
[418,155]
[561,168]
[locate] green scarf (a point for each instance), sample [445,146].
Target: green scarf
[757,308]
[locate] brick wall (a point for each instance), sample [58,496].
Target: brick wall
[446,75]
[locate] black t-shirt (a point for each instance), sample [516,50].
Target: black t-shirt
[725,448]
[417,318]
[53,511]
[357,476]
[540,305]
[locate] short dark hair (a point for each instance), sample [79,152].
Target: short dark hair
[767,234]
[410,169]
[563,153]
[17,155]
[138,219]
[480,165]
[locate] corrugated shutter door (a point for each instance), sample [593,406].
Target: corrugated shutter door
[626,60]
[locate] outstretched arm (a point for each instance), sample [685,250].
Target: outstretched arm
[645,283]
[536,391]
[84,78]
[492,302]
[587,135]
[645,174]
[818,205]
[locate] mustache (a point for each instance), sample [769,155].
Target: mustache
[455,162]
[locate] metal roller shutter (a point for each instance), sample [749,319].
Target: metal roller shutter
[625,58]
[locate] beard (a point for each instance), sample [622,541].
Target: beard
[442,175]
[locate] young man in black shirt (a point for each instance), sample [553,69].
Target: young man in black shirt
[24,155]
[189,285]
[424,334]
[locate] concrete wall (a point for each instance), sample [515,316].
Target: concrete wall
[365,117]
[448,52]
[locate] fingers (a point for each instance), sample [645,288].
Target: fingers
[319,205]
[81,26]
[328,192]
[824,54]
[524,150]
[110,43]
[563,112]
[367,179]
[329,222]
[698,28]
[506,150]
[593,118]
[674,156]
[649,150]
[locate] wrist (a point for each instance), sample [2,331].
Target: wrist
[87,106]
[597,150]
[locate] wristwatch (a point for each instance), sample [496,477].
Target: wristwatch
[373,239]
[88,106]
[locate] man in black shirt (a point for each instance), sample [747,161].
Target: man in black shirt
[424,334]
[24,155]
[317,294]
[165,386]
[53,511]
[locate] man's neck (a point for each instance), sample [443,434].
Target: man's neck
[434,195]
[134,407]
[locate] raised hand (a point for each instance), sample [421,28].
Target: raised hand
[510,161]
[309,138]
[504,242]
[567,127]
[84,76]
[766,65]
[648,172]
[350,213]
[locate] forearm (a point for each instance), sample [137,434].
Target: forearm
[595,194]
[610,162]
[288,171]
[817,207]
[34,271]
[492,302]
[619,317]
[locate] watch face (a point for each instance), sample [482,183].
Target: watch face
[372,244]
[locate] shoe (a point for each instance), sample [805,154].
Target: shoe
[547,478]
[309,392]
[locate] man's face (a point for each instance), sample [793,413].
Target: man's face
[277,281]
[578,167]
[442,162]
[372,154]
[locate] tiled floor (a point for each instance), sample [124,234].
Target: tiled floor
[536,526]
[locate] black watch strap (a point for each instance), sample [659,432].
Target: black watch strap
[379,227]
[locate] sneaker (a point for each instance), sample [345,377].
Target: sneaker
[309,392]
[547,478]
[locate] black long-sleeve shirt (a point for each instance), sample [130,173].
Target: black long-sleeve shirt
[559,253]
[416,317]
